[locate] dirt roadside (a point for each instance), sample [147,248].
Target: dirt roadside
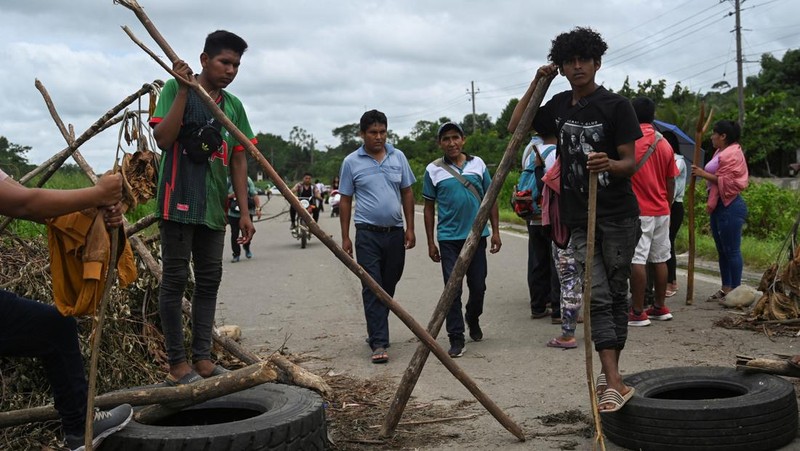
[308,302]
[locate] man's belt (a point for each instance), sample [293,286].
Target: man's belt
[374,228]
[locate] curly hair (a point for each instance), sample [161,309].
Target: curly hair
[580,41]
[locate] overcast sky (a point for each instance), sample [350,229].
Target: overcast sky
[319,64]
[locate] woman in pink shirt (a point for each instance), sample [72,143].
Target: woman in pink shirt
[726,177]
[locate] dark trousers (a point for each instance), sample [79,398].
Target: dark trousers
[675,221]
[179,244]
[383,256]
[293,214]
[235,231]
[543,284]
[615,243]
[476,282]
[32,329]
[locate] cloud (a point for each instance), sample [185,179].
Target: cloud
[318,64]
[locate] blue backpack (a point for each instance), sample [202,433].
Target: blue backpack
[526,199]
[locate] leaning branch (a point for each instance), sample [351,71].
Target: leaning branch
[326,239]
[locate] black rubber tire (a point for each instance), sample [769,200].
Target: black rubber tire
[751,412]
[303,239]
[292,418]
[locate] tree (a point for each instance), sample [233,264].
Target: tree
[482,123]
[501,126]
[772,130]
[12,158]
[626,90]
[721,86]
[348,135]
[778,75]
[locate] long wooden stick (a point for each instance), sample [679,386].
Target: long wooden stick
[232,382]
[326,239]
[412,372]
[587,310]
[99,318]
[702,126]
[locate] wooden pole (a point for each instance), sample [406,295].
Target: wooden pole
[414,369]
[702,126]
[187,394]
[98,320]
[587,310]
[326,239]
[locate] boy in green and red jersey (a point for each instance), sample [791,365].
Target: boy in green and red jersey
[192,191]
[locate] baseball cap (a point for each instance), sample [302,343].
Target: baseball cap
[449,126]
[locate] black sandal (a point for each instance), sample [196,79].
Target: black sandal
[716,297]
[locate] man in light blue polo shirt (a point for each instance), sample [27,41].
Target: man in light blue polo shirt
[379,176]
[458,205]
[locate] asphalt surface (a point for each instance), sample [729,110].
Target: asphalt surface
[307,301]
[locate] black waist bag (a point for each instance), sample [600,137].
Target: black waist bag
[201,134]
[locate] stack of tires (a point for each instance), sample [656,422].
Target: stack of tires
[705,409]
[265,417]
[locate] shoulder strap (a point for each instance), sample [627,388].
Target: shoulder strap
[548,151]
[571,112]
[464,182]
[649,152]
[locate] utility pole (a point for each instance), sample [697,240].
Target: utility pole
[472,93]
[739,75]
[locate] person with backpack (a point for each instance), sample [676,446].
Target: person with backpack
[543,285]
[456,184]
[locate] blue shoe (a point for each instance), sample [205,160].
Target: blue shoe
[235,259]
[248,254]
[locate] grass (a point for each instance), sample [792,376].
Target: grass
[758,254]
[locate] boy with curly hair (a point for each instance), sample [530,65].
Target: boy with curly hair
[606,127]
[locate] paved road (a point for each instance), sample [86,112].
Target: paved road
[308,301]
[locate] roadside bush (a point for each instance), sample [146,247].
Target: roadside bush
[771,210]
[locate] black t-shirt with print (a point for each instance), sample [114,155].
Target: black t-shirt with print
[607,121]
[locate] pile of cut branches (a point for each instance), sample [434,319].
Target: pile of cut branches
[778,308]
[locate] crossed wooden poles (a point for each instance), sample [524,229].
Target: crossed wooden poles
[463,261]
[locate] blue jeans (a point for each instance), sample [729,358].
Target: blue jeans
[383,256]
[32,329]
[179,244]
[615,243]
[543,285]
[726,226]
[476,282]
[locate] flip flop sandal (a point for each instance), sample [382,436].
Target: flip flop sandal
[189,378]
[218,371]
[600,384]
[613,397]
[670,293]
[379,355]
[556,343]
[716,297]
